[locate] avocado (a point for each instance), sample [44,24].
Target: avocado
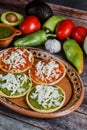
[12,18]
[39,9]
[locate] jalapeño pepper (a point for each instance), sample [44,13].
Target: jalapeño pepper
[33,39]
[74,54]
[51,23]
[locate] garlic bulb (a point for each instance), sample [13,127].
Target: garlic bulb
[53,46]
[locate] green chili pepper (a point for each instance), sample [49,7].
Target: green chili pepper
[33,39]
[51,23]
[74,54]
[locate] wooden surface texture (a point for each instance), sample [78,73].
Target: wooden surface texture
[74,121]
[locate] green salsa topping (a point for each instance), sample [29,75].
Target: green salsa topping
[5,32]
[14,84]
[44,97]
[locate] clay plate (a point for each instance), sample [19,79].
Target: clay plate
[71,84]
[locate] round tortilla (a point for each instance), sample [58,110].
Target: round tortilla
[14,80]
[37,78]
[15,65]
[40,108]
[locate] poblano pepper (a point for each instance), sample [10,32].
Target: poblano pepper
[51,23]
[34,39]
[74,54]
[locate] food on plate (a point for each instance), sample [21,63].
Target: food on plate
[30,24]
[39,9]
[14,85]
[45,98]
[35,39]
[53,45]
[51,23]
[79,33]
[12,18]
[47,72]
[16,60]
[85,45]
[5,32]
[74,54]
[64,29]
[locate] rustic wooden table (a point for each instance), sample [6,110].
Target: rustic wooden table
[77,120]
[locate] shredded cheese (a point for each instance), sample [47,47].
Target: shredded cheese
[16,59]
[47,71]
[47,96]
[13,83]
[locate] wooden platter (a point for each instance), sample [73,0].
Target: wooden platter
[71,84]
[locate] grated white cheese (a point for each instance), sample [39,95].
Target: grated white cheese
[13,83]
[47,71]
[47,96]
[30,57]
[16,58]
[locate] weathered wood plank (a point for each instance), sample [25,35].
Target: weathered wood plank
[74,121]
[84,79]
[7,123]
[5,7]
[19,3]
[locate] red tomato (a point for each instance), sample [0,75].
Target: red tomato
[30,24]
[64,29]
[79,33]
